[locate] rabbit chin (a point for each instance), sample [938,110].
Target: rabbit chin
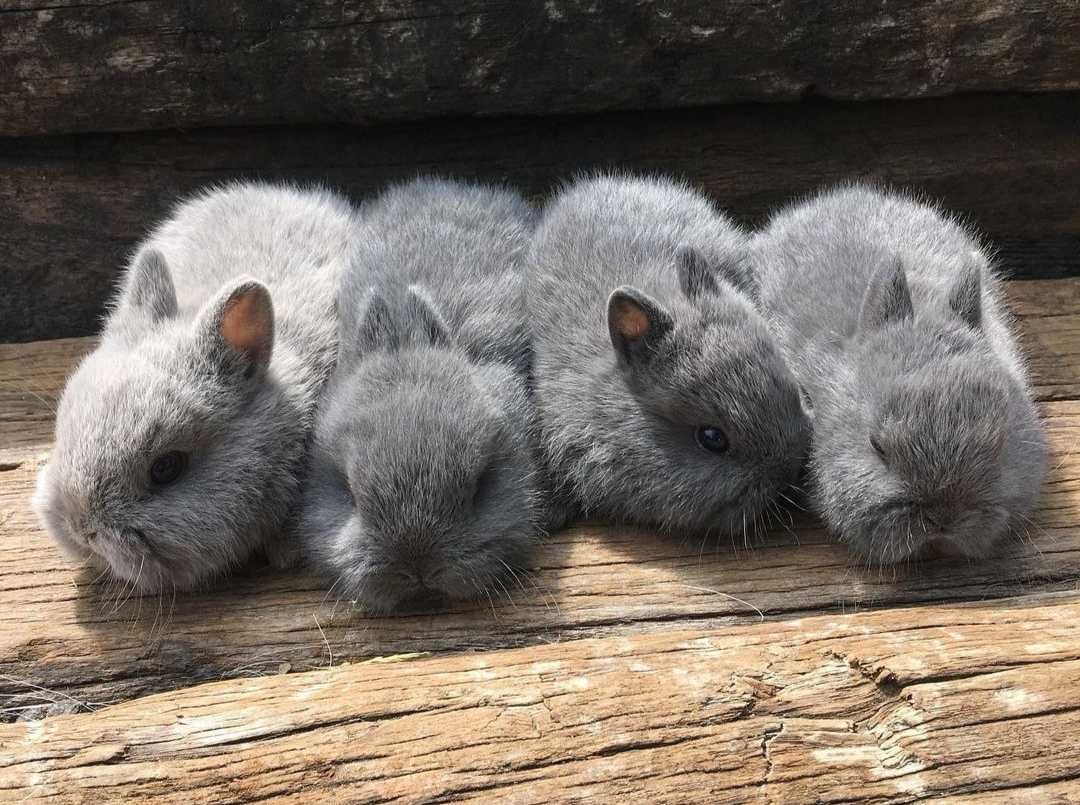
[890,540]
[132,567]
[139,569]
[383,590]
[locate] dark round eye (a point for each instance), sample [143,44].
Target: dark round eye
[168,467]
[712,438]
[874,443]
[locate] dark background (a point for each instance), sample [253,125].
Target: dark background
[110,111]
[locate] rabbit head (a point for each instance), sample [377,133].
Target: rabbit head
[175,451]
[927,439]
[423,483]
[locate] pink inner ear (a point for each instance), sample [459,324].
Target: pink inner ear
[631,321]
[247,324]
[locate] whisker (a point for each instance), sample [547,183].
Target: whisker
[747,604]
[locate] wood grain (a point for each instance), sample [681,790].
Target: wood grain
[114,65]
[975,702]
[86,644]
[74,207]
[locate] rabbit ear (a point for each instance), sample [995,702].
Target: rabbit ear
[367,329]
[887,299]
[148,288]
[636,322]
[965,298]
[695,275]
[238,325]
[423,312]
[373,329]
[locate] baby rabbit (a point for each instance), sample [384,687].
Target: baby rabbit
[662,397]
[424,485]
[891,317]
[181,439]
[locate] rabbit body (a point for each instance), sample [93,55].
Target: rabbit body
[891,316]
[662,397]
[181,439]
[424,481]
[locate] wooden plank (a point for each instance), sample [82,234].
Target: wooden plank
[87,642]
[144,64]
[975,701]
[74,207]
[1048,314]
[32,376]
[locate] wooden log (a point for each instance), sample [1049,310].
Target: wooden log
[74,207]
[115,65]
[898,706]
[66,640]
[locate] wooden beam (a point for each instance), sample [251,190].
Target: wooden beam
[87,642]
[111,65]
[900,706]
[74,207]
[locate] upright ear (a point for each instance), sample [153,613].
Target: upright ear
[695,276]
[370,330]
[148,287]
[237,327]
[965,297]
[636,323]
[425,317]
[887,298]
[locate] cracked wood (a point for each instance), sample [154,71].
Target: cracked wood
[67,643]
[972,701]
[127,65]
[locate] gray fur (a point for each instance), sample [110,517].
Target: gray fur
[619,410]
[195,357]
[891,316]
[424,481]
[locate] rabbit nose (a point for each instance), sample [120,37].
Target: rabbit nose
[421,572]
[415,571]
[938,520]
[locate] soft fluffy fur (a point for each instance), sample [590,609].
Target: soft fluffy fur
[424,482]
[619,418]
[166,377]
[891,316]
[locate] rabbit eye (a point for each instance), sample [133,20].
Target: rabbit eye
[712,438]
[874,443]
[168,467]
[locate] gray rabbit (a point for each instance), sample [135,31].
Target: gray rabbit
[180,440]
[662,397]
[891,316]
[424,482]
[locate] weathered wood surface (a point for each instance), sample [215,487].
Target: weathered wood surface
[67,643]
[111,65]
[977,702]
[74,207]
